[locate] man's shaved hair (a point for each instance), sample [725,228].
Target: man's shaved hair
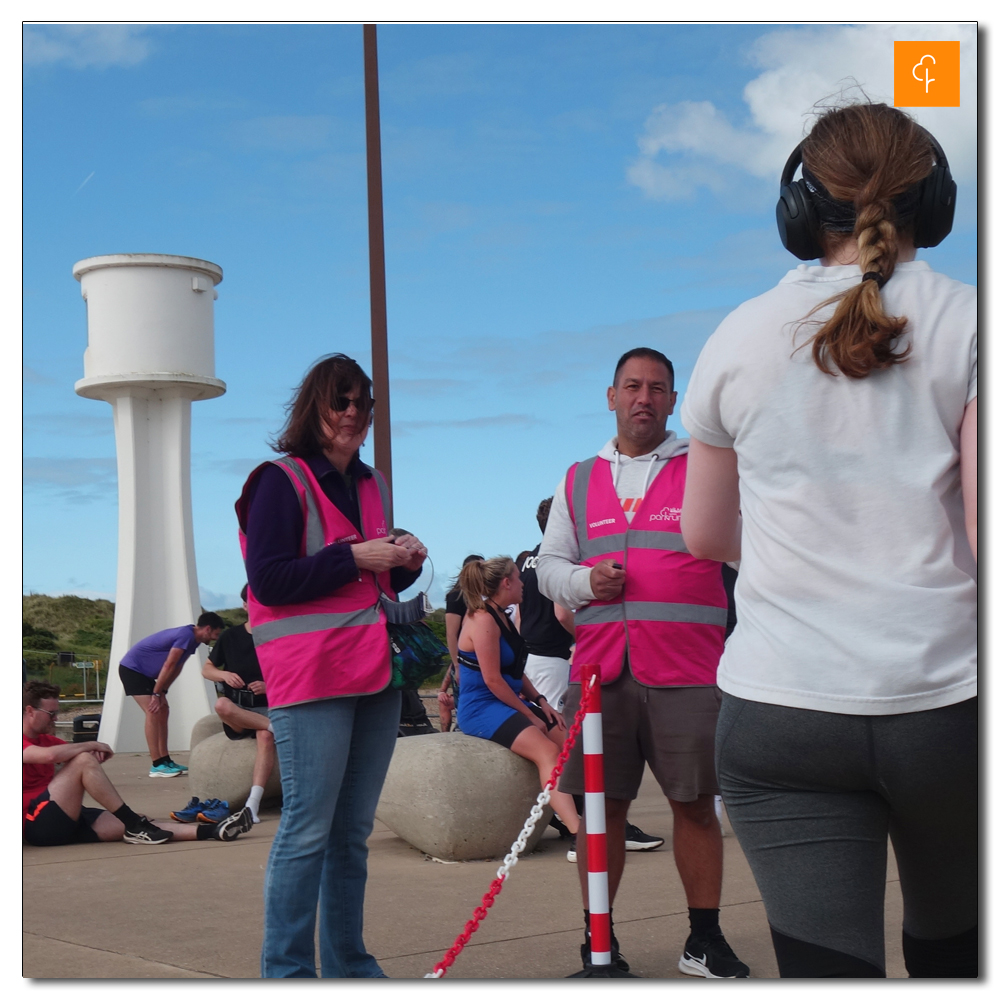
[644,352]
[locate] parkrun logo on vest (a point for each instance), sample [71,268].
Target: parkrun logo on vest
[600,524]
[667,514]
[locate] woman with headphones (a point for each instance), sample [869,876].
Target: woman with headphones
[833,451]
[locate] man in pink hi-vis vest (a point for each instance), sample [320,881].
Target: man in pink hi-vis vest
[655,619]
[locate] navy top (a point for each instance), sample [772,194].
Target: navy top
[277,574]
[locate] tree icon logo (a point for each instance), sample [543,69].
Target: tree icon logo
[922,68]
[926,74]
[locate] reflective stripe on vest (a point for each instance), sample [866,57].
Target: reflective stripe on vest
[301,624]
[314,525]
[651,611]
[668,637]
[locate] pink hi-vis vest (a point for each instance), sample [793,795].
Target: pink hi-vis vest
[671,615]
[337,645]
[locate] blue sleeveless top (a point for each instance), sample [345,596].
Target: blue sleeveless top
[480,712]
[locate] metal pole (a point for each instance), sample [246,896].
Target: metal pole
[376,263]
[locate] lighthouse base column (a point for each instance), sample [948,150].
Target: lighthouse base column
[157,576]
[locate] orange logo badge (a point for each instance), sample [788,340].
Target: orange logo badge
[926,74]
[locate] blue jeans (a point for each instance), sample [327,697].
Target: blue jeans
[334,755]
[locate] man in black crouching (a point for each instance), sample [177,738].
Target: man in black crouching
[242,705]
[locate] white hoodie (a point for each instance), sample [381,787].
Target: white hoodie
[561,578]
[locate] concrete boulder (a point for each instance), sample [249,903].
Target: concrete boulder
[221,768]
[459,798]
[207,725]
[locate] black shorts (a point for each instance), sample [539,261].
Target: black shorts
[134,682]
[46,825]
[508,731]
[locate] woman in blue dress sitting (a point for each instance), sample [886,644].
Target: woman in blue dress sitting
[498,702]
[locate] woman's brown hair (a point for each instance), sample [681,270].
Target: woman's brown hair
[866,155]
[330,379]
[482,578]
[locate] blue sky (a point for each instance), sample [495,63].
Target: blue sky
[554,195]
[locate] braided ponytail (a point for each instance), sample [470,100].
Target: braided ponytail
[866,154]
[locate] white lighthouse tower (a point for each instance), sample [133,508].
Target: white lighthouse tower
[150,352]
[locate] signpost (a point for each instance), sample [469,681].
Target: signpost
[94,665]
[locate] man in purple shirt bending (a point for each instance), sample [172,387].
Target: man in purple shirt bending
[149,668]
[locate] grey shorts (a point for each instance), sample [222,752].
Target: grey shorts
[245,734]
[672,729]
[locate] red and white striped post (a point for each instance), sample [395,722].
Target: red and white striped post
[597,831]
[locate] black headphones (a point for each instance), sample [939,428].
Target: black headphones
[798,218]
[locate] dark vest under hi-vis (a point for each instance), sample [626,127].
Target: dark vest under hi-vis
[337,645]
[671,614]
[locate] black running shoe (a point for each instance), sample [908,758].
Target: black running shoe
[636,840]
[711,958]
[232,826]
[145,832]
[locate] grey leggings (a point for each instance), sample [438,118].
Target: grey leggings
[813,798]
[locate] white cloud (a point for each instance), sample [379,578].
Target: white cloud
[693,144]
[70,424]
[439,76]
[553,359]
[74,480]
[91,595]
[70,472]
[404,428]
[182,105]
[35,377]
[212,600]
[286,133]
[81,46]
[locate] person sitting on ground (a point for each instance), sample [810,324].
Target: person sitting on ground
[149,668]
[53,812]
[242,705]
[498,702]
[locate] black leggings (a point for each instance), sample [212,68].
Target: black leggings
[813,798]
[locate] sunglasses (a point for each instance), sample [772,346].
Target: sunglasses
[51,715]
[361,403]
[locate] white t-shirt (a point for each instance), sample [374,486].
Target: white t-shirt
[857,589]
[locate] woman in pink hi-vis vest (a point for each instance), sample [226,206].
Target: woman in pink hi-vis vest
[314,527]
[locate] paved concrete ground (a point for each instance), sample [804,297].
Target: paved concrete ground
[95,911]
